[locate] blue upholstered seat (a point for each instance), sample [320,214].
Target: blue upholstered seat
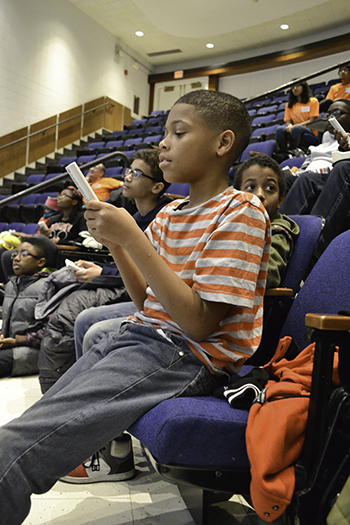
[265,148]
[211,422]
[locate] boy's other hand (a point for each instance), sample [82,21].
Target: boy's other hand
[87,270]
[7,342]
[109,225]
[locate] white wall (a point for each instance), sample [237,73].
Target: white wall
[251,84]
[53,58]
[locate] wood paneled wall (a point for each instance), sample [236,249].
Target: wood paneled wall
[59,131]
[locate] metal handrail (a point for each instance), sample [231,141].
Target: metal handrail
[45,184]
[296,80]
[43,131]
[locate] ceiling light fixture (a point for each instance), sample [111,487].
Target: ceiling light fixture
[284,26]
[139,33]
[209,45]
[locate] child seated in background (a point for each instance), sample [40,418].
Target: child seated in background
[264,177]
[21,332]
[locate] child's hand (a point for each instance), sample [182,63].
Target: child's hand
[344,142]
[7,342]
[110,225]
[87,270]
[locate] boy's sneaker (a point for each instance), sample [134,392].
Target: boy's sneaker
[114,462]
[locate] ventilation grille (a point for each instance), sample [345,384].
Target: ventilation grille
[161,53]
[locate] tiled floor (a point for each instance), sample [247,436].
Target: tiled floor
[145,500]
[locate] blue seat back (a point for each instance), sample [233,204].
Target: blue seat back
[310,228]
[178,189]
[294,161]
[266,148]
[264,118]
[30,228]
[35,178]
[326,289]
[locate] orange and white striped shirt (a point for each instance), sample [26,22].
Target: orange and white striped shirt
[221,250]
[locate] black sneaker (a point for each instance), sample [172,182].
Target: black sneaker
[114,462]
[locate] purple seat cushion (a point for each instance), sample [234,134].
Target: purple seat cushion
[194,431]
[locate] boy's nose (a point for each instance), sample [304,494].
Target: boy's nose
[162,143]
[261,195]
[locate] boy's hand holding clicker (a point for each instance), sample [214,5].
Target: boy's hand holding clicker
[344,142]
[87,270]
[109,225]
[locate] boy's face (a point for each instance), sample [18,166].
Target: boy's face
[26,260]
[341,111]
[141,188]
[344,75]
[189,147]
[263,182]
[95,173]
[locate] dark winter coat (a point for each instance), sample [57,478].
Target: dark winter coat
[21,295]
[57,351]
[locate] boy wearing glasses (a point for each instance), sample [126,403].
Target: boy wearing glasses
[21,333]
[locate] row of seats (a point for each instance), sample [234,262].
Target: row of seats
[321,87]
[27,210]
[30,228]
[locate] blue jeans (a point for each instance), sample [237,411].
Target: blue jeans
[286,141]
[101,395]
[323,194]
[92,323]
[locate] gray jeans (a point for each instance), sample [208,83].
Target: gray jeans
[92,323]
[100,396]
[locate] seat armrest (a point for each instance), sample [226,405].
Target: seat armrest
[328,322]
[279,292]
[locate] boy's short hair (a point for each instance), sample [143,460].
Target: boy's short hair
[264,162]
[343,100]
[221,111]
[345,66]
[151,157]
[40,246]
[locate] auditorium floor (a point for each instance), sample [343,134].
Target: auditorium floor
[145,500]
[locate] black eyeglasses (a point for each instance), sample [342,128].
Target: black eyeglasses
[23,255]
[66,195]
[137,174]
[335,113]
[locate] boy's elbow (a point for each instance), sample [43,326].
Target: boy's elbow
[198,332]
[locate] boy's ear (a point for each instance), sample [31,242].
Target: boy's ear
[280,202]
[226,141]
[41,262]
[157,187]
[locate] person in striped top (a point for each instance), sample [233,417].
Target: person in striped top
[197,277]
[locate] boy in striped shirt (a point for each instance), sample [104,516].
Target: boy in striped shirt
[197,278]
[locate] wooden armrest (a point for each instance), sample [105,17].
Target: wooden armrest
[255,153]
[328,321]
[174,196]
[285,292]
[66,247]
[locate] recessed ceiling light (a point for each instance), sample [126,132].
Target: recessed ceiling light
[139,33]
[284,26]
[209,45]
